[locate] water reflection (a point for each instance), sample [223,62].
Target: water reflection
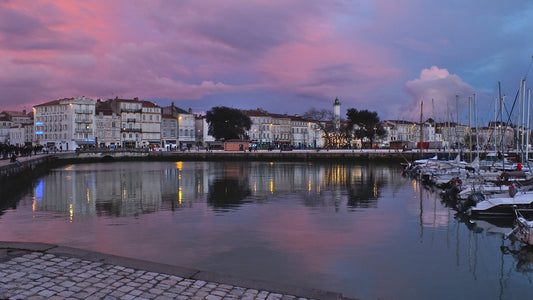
[81,191]
[363,230]
[231,189]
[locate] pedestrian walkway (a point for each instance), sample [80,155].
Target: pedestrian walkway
[43,271]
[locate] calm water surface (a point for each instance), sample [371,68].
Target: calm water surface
[359,229]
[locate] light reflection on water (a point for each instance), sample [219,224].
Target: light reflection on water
[363,230]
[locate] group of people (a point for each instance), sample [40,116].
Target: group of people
[8,151]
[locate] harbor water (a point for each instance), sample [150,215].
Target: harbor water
[361,229]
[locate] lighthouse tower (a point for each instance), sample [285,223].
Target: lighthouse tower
[337,113]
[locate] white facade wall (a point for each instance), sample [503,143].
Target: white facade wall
[130,117]
[202,132]
[150,125]
[187,129]
[66,123]
[107,130]
[16,135]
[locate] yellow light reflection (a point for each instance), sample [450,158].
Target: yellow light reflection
[34,205]
[71,212]
[179,165]
[180,195]
[88,196]
[309,187]
[271,186]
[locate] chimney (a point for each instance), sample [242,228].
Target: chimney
[190,110]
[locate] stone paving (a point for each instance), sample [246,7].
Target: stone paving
[47,276]
[37,275]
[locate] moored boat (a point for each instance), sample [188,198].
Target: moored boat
[524,226]
[502,206]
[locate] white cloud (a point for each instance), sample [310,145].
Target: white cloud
[438,89]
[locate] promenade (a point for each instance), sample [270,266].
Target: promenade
[43,271]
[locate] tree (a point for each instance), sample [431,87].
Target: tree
[368,123]
[227,123]
[323,119]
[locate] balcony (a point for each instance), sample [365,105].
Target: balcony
[83,111]
[130,130]
[131,110]
[84,130]
[129,120]
[83,120]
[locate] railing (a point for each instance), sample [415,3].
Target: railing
[130,130]
[131,120]
[84,130]
[131,110]
[83,120]
[83,111]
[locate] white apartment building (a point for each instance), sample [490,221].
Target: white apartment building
[260,132]
[299,133]
[20,131]
[169,131]
[65,123]
[140,122]
[185,126]
[203,138]
[5,126]
[275,130]
[129,111]
[107,125]
[150,124]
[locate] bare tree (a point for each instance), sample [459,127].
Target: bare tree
[324,119]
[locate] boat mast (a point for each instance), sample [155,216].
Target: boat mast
[528,127]
[501,119]
[477,133]
[421,130]
[470,126]
[457,124]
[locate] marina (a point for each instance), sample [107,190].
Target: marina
[362,229]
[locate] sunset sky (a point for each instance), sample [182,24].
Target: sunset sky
[283,56]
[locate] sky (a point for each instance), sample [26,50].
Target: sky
[286,57]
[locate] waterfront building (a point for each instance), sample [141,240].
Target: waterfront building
[169,131]
[185,126]
[260,132]
[5,126]
[299,133]
[14,127]
[281,130]
[65,124]
[130,111]
[270,130]
[316,135]
[150,125]
[140,122]
[203,138]
[107,125]
[18,117]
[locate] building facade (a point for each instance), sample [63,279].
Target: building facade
[65,124]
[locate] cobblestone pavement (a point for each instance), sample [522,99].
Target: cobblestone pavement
[43,271]
[47,276]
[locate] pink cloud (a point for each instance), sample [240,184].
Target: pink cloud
[439,85]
